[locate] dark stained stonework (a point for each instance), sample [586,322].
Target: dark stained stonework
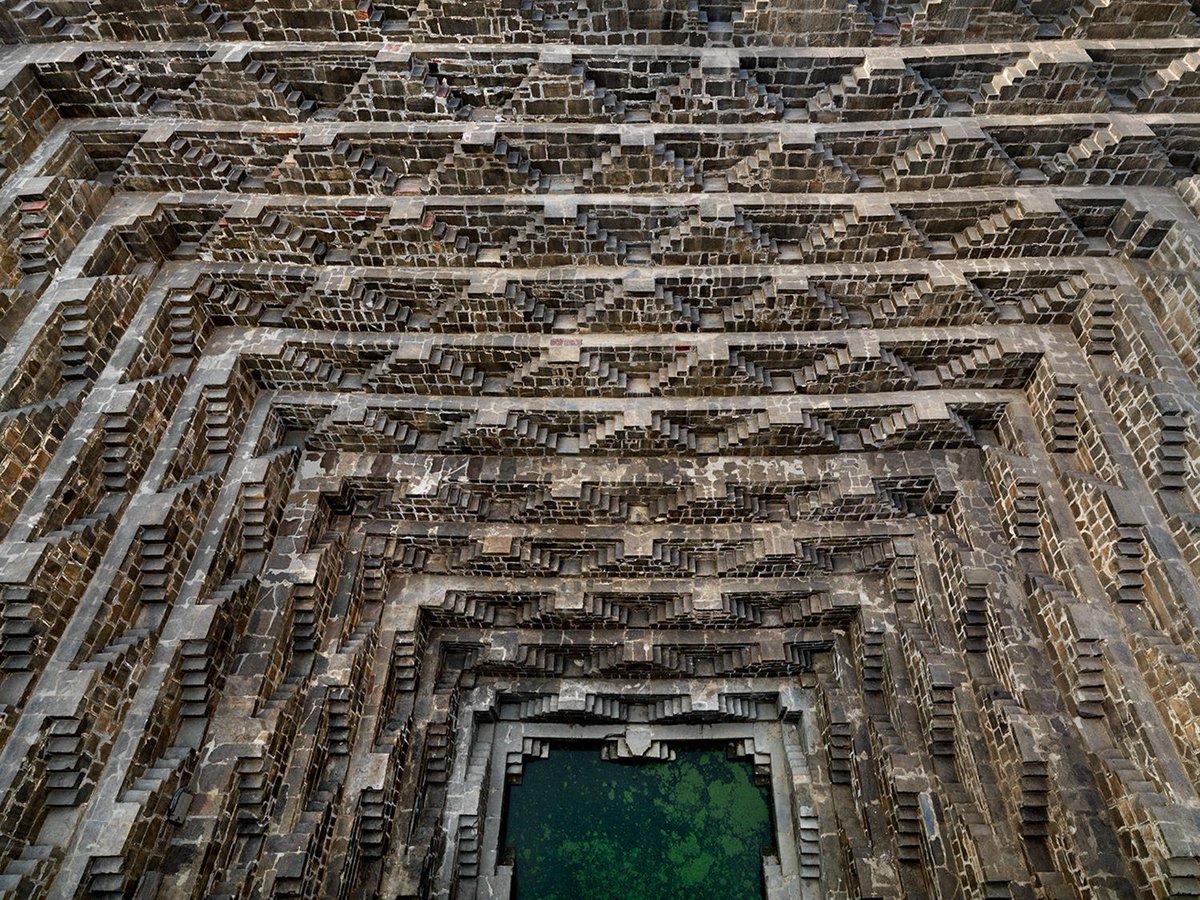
[391,390]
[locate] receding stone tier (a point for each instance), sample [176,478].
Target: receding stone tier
[389,390]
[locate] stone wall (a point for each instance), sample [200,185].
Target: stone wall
[388,391]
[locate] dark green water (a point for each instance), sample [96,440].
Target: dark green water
[585,829]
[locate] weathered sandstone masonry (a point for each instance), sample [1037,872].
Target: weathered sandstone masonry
[388,390]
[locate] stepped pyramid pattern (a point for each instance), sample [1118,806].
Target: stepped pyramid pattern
[391,389]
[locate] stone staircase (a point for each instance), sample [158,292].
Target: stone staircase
[1164,81]
[216,19]
[523,170]
[365,168]
[424,82]
[37,20]
[381,17]
[1005,84]
[28,873]
[270,79]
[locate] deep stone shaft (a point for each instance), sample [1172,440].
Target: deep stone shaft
[391,390]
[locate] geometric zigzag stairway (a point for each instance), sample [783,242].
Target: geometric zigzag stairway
[390,389]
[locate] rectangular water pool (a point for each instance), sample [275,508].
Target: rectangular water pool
[583,828]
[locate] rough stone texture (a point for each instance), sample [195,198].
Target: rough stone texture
[390,390]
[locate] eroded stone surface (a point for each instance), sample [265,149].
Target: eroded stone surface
[391,390]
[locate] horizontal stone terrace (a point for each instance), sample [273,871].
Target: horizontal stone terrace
[384,158]
[721,24]
[293,83]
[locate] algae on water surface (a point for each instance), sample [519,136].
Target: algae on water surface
[585,829]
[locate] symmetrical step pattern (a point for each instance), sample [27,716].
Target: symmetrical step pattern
[391,391]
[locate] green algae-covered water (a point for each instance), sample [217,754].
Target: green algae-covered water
[582,828]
